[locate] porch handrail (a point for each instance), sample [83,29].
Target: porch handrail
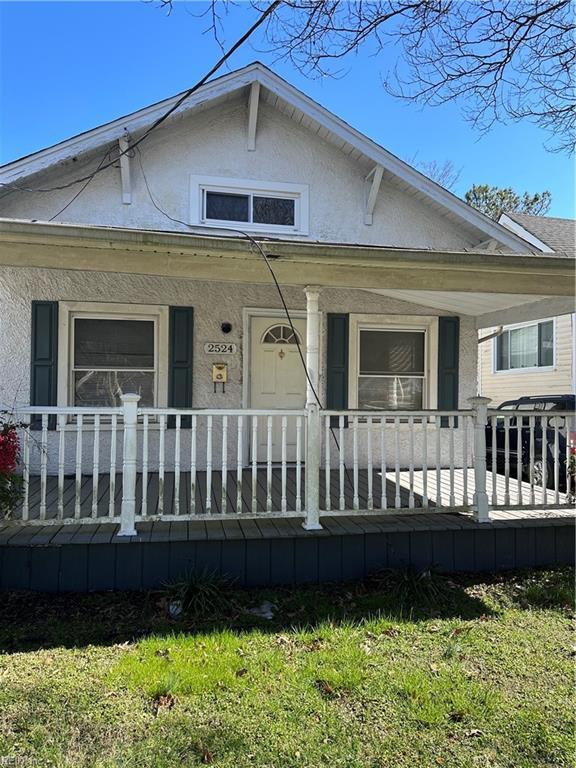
[308,462]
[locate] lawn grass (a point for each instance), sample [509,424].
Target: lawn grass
[395,671]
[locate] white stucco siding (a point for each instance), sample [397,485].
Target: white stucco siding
[213,304]
[214,143]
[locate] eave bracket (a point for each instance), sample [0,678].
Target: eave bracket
[375,179]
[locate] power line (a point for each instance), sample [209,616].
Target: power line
[186,95]
[256,244]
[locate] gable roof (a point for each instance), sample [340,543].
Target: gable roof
[288,99]
[546,232]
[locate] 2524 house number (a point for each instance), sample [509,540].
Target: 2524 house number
[219,348]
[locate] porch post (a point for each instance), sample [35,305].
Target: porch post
[312,342]
[128,509]
[313,431]
[480,499]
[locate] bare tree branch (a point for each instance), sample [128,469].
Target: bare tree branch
[500,59]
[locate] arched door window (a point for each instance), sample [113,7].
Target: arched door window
[281,334]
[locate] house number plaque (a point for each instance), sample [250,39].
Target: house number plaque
[219,348]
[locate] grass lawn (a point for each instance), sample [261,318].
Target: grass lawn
[395,671]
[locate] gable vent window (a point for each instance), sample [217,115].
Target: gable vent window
[255,206]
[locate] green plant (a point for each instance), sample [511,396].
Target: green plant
[200,595]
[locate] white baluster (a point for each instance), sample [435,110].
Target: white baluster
[342,500]
[519,420]
[43,465]
[532,494]
[465,460]
[544,422]
[269,464]
[177,432]
[161,462]
[370,469]
[254,464]
[78,478]
[95,465]
[506,460]
[411,462]
[239,463]
[193,451]
[383,497]
[425,461]
[145,448]
[356,500]
[61,463]
[299,464]
[494,461]
[557,464]
[327,500]
[397,498]
[209,465]
[451,424]
[224,498]
[284,437]
[438,426]
[112,474]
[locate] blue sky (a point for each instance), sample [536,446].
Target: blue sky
[67,67]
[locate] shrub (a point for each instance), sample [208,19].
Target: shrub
[10,481]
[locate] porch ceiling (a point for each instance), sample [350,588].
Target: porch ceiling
[474,283]
[489,309]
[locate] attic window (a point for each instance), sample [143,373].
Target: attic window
[255,206]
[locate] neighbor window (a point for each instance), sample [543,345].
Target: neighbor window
[111,356]
[391,371]
[254,205]
[529,346]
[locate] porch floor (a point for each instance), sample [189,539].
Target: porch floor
[227,503]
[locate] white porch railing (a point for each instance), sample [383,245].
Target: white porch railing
[129,464]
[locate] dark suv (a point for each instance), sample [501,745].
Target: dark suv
[552,406]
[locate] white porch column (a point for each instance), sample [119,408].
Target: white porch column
[312,342]
[128,509]
[313,430]
[480,499]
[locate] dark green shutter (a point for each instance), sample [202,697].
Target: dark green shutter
[181,334]
[44,357]
[448,363]
[337,362]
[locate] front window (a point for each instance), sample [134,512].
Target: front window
[391,372]
[529,346]
[112,356]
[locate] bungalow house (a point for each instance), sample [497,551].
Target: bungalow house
[243,317]
[534,357]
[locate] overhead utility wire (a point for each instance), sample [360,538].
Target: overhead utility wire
[266,259]
[186,95]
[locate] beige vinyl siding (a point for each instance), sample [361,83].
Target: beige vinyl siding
[510,385]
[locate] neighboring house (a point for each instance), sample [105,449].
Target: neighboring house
[152,282]
[534,357]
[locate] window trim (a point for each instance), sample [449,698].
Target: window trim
[426,324]
[534,368]
[297,192]
[70,310]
